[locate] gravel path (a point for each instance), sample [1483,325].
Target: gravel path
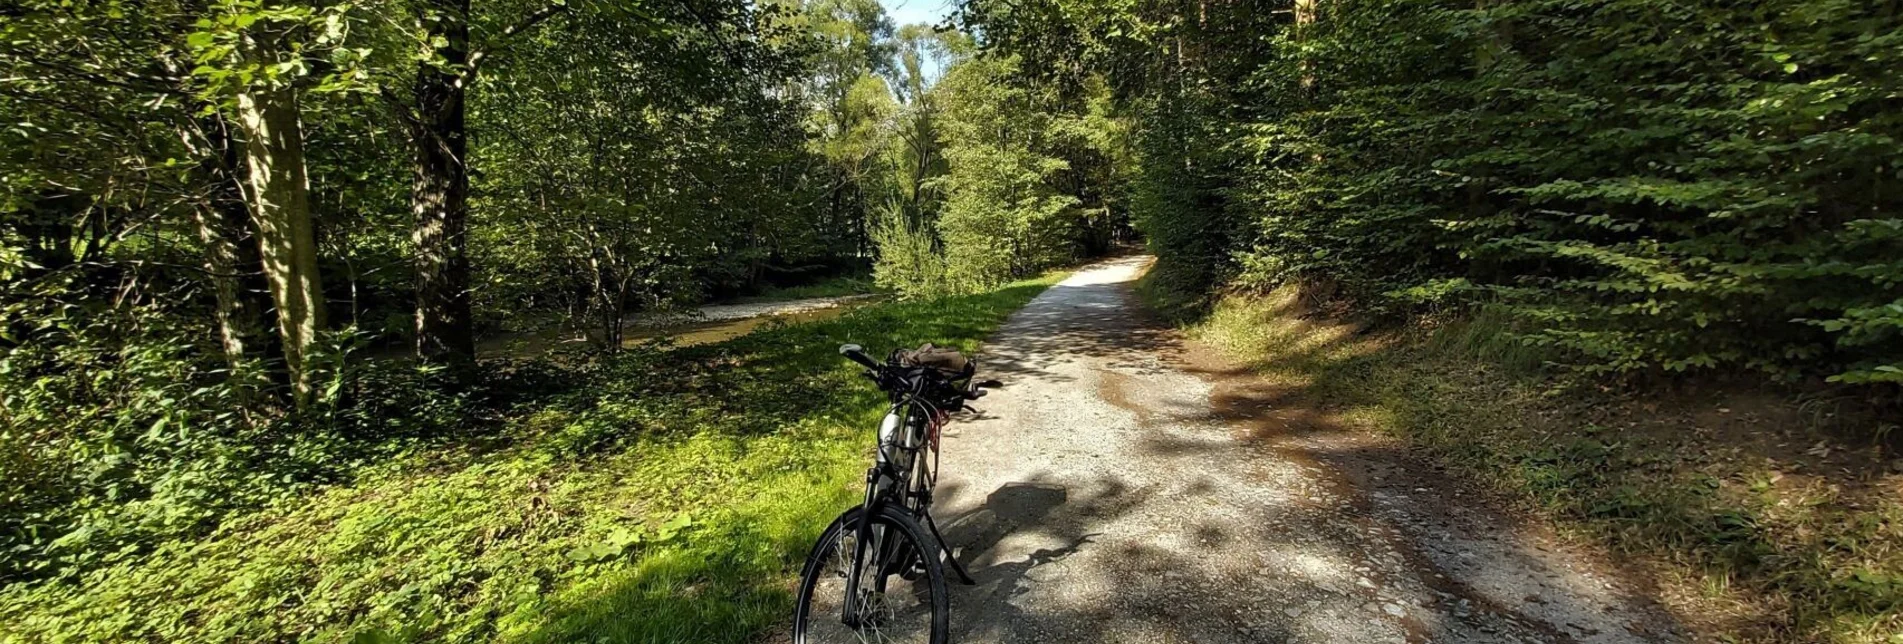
[1128,487]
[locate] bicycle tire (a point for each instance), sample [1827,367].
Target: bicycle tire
[818,613]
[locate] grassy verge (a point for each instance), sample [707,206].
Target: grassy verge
[667,497]
[1757,517]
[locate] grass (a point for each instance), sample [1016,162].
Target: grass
[668,497]
[1758,517]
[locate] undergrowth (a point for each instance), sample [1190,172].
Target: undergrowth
[1760,517]
[659,495]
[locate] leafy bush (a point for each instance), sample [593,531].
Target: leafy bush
[910,259]
[1025,187]
[1647,187]
[1003,218]
[118,430]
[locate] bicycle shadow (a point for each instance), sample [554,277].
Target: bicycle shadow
[1060,522]
[1007,509]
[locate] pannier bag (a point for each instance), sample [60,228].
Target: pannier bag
[952,364]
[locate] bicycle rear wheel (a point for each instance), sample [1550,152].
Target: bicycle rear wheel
[891,608]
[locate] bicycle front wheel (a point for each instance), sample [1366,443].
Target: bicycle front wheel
[900,596]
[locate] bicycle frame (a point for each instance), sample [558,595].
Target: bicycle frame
[907,431]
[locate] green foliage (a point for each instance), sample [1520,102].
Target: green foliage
[1003,218]
[121,431]
[1018,181]
[910,257]
[654,495]
[621,141]
[991,179]
[1704,186]
[1178,202]
[607,137]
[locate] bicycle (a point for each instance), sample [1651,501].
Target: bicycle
[846,591]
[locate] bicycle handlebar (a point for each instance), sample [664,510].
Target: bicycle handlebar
[858,354]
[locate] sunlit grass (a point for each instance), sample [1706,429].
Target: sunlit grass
[669,498]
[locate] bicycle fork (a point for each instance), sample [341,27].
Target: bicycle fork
[869,540]
[861,544]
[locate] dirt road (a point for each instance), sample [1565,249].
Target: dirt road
[1128,487]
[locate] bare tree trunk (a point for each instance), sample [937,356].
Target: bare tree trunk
[224,226]
[224,229]
[1306,12]
[280,208]
[439,194]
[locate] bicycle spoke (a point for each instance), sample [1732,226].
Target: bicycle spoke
[901,615]
[891,587]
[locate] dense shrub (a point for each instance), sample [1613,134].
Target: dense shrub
[1645,186]
[910,259]
[1003,217]
[118,429]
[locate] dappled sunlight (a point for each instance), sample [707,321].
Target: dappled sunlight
[1719,476]
[650,496]
[1177,496]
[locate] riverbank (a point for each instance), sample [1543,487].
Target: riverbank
[705,325]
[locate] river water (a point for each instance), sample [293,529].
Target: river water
[706,325]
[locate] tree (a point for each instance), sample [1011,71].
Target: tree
[1003,217]
[1644,188]
[624,139]
[439,193]
[920,157]
[222,215]
[259,56]
[850,97]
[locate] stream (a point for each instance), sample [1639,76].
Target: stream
[705,325]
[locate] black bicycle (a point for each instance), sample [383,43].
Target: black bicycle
[878,572]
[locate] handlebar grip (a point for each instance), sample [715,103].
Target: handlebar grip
[857,354]
[979,389]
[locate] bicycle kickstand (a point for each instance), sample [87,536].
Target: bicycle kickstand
[963,577]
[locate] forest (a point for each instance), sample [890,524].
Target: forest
[249,250]
[1646,186]
[225,222]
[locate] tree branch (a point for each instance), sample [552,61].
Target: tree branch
[712,29]
[502,41]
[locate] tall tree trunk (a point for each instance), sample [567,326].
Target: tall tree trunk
[224,227]
[439,196]
[280,208]
[1306,12]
